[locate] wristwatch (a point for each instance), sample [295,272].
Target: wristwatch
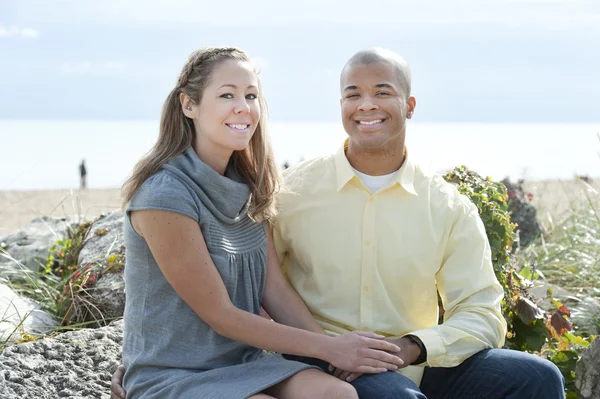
[423,356]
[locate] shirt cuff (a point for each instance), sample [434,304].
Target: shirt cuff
[433,343]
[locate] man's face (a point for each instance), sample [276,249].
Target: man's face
[374,105]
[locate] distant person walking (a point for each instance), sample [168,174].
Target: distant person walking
[82,174]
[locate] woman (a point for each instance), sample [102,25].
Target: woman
[201,262]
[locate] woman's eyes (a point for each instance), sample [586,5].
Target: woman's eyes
[229,96]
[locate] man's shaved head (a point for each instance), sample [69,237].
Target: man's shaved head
[379,55]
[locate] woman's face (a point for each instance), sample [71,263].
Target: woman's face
[229,110]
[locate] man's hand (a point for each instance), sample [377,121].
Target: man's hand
[116,383]
[409,352]
[344,375]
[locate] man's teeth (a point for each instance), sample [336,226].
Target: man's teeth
[369,123]
[239,127]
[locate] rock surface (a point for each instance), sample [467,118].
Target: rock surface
[104,250]
[30,245]
[588,372]
[13,309]
[76,364]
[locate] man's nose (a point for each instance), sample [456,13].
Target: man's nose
[367,104]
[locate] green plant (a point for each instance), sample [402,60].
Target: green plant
[64,254]
[491,199]
[530,328]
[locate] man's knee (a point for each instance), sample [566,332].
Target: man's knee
[341,390]
[541,373]
[404,392]
[548,372]
[388,385]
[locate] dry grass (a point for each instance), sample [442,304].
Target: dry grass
[19,207]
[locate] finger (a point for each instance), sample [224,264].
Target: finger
[369,334]
[385,357]
[383,345]
[344,376]
[116,382]
[117,392]
[331,368]
[370,370]
[390,366]
[353,377]
[338,372]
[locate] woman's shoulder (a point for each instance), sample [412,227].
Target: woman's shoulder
[164,191]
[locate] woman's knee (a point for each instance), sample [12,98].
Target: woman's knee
[341,390]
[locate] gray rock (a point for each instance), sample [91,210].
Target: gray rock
[104,239]
[104,250]
[29,246]
[588,372]
[18,314]
[76,364]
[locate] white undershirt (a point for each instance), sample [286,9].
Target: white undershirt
[374,183]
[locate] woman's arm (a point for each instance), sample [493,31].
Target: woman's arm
[178,247]
[280,300]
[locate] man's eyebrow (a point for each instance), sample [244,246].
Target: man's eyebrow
[378,85]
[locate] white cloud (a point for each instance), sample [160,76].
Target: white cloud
[424,15]
[15,31]
[29,32]
[92,68]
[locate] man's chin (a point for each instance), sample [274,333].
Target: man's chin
[370,141]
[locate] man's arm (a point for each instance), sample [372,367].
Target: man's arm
[470,293]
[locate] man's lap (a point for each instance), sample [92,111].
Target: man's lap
[492,373]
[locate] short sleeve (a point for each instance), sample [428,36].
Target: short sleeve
[166,193]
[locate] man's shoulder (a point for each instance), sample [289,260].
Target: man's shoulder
[438,189]
[306,172]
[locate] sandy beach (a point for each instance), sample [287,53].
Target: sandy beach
[552,198]
[19,207]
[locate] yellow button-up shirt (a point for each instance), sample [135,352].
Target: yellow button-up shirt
[374,261]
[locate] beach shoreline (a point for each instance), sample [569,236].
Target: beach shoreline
[552,198]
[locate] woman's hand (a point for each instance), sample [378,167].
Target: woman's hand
[363,352]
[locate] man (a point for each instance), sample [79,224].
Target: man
[368,239]
[82,175]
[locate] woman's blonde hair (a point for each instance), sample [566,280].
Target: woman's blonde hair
[255,164]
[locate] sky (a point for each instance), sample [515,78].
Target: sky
[489,61]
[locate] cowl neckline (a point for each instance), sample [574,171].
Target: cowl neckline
[226,196]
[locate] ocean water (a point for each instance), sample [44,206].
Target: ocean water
[46,154]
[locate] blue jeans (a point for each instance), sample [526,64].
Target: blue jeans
[489,374]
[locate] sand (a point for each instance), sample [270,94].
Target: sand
[552,198]
[19,207]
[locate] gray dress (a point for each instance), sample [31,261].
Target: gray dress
[168,351]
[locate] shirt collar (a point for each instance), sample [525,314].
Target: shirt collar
[344,172]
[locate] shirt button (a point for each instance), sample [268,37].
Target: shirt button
[367,243]
[366,288]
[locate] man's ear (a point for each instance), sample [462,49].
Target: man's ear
[412,104]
